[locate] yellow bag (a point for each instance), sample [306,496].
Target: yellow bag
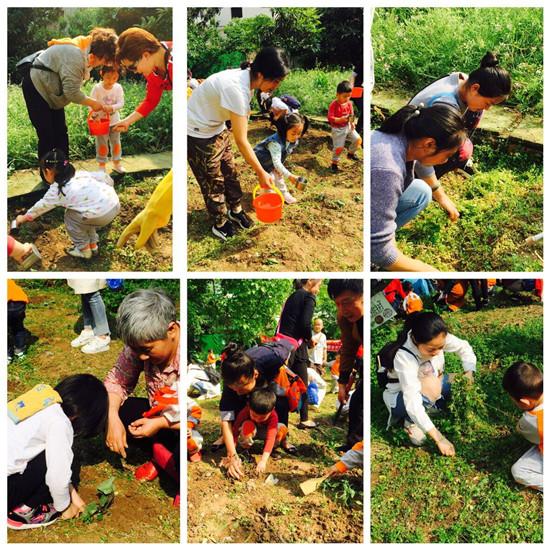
[31,402]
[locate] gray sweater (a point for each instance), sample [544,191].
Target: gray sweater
[62,86]
[390,175]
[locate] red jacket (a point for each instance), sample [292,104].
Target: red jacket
[156,84]
[337,110]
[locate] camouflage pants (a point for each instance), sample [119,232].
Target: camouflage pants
[212,164]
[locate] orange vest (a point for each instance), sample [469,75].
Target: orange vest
[540,421]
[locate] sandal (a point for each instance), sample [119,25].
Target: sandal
[310,424]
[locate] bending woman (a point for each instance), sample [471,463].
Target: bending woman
[472,95]
[429,135]
[226,96]
[55,79]
[417,385]
[243,372]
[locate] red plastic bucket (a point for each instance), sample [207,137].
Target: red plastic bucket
[98,126]
[268,206]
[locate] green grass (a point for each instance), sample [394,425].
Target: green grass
[53,318]
[417,495]
[150,135]
[315,89]
[413,47]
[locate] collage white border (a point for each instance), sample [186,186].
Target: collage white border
[180,221]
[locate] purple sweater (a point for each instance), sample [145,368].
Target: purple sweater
[390,175]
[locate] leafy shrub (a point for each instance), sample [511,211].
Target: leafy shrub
[413,47]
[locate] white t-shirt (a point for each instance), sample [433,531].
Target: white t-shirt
[51,431]
[316,354]
[212,102]
[113,97]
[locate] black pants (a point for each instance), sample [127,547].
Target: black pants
[355,427]
[49,123]
[17,334]
[30,487]
[480,291]
[298,363]
[132,409]
[358,102]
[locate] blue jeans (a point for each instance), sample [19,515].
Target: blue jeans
[399,413]
[416,197]
[93,313]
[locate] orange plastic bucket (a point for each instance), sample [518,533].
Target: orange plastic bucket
[357,92]
[98,126]
[268,205]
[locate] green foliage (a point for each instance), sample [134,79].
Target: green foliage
[151,134]
[470,498]
[413,47]
[242,310]
[106,495]
[248,35]
[315,88]
[342,36]
[29,29]
[342,491]
[499,208]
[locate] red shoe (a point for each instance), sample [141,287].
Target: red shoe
[176,502]
[146,472]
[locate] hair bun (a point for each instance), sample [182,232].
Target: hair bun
[230,350]
[245,65]
[489,60]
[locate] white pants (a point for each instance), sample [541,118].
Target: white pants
[528,469]
[339,138]
[279,181]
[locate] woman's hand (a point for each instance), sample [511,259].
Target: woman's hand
[121,126]
[446,448]
[95,105]
[21,219]
[116,436]
[265,180]
[343,393]
[261,466]
[107,109]
[147,427]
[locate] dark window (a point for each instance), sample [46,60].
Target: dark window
[236,12]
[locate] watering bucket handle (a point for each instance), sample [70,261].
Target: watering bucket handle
[272,188]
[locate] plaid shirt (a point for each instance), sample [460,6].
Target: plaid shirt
[123,377]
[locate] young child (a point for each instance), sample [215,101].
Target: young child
[43,473]
[335,374]
[258,418]
[194,438]
[274,150]
[89,199]
[524,383]
[350,460]
[318,353]
[110,93]
[340,117]
[313,377]
[17,334]
[412,301]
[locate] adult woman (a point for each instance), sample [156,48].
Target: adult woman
[242,372]
[140,52]
[147,324]
[295,323]
[429,135]
[226,96]
[472,95]
[54,80]
[417,383]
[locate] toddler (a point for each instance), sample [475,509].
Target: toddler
[110,93]
[340,118]
[258,418]
[524,383]
[274,150]
[318,351]
[89,199]
[194,438]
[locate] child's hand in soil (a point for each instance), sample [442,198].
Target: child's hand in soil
[234,466]
[446,448]
[333,471]
[261,466]
[146,427]
[72,511]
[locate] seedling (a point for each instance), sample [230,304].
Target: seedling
[106,496]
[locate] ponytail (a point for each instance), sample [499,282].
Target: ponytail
[288,121]
[493,81]
[272,63]
[235,364]
[57,161]
[441,122]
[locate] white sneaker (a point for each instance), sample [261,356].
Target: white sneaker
[416,435]
[77,253]
[97,345]
[289,199]
[83,338]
